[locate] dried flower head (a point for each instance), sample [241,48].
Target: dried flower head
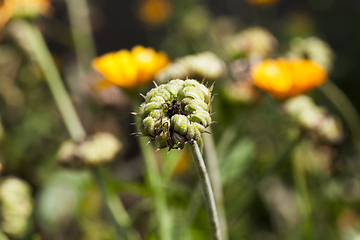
[312,48]
[287,78]
[314,119]
[200,65]
[22,8]
[176,112]
[129,69]
[254,42]
[97,149]
[16,207]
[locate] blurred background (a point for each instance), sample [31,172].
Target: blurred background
[281,178]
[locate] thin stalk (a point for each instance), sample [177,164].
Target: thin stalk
[81,32]
[41,53]
[346,109]
[114,208]
[207,191]
[193,205]
[154,181]
[214,173]
[302,197]
[279,159]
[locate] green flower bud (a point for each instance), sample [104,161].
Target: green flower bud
[148,126]
[182,117]
[180,123]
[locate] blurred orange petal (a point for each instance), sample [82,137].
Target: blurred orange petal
[22,8]
[130,69]
[287,78]
[154,12]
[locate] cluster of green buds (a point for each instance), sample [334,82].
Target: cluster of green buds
[16,207]
[176,113]
[97,149]
[314,119]
[200,65]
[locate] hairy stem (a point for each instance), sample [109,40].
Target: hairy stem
[207,190]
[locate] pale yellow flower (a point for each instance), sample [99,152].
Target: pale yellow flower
[26,8]
[129,69]
[287,78]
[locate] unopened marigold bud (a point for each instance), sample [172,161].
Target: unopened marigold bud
[97,149]
[176,112]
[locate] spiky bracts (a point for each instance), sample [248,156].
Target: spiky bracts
[176,112]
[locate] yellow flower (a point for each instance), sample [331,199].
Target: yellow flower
[154,12]
[287,78]
[129,69]
[262,2]
[26,8]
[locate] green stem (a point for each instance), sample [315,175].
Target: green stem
[346,109]
[302,197]
[279,159]
[214,173]
[207,190]
[68,113]
[81,32]
[41,53]
[114,208]
[154,181]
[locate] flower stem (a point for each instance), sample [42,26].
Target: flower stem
[41,53]
[214,173]
[81,32]
[207,190]
[114,208]
[346,109]
[154,182]
[302,197]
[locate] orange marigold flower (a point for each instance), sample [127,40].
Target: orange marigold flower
[287,78]
[25,8]
[129,69]
[262,2]
[154,12]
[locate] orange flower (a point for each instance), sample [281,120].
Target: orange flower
[287,78]
[154,12]
[25,8]
[129,69]
[262,2]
